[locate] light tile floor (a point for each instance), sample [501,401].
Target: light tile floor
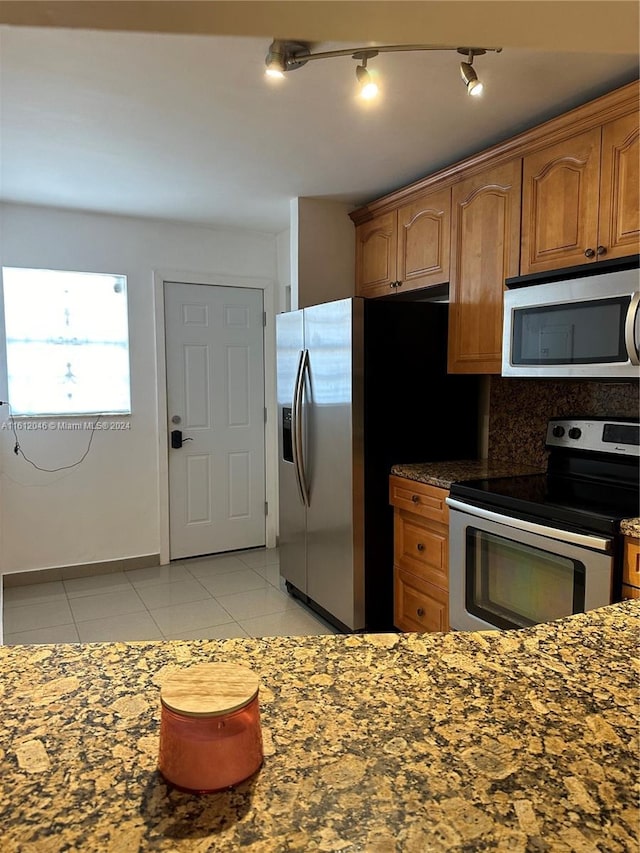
[218,597]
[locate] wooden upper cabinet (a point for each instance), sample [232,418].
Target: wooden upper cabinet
[581,198]
[619,219]
[485,242]
[405,249]
[376,252]
[560,190]
[424,229]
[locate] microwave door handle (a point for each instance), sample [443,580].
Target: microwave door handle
[596,542]
[304,371]
[630,339]
[295,416]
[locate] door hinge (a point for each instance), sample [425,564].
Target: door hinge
[265,414]
[264,318]
[266,507]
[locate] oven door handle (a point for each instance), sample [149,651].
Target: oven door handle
[597,543]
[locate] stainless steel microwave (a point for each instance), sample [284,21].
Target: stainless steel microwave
[580,328]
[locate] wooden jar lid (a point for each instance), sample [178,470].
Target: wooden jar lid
[209,689]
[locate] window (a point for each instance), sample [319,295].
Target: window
[67,342]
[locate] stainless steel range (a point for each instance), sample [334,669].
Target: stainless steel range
[533,548]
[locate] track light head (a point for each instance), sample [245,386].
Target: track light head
[470,78]
[368,87]
[275,61]
[467,72]
[285,56]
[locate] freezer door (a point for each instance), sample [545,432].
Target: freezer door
[333,416]
[292,536]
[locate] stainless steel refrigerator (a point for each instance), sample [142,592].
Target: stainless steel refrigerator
[361,385]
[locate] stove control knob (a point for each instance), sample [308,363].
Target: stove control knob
[558,431]
[574,432]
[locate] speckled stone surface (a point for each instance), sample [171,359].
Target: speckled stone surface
[519,410]
[443,474]
[631,527]
[510,741]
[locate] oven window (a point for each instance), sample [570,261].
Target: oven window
[512,585]
[589,332]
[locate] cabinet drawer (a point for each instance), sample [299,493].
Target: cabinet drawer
[419,498]
[631,562]
[421,548]
[418,605]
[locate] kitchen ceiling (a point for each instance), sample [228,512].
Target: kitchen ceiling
[186,127]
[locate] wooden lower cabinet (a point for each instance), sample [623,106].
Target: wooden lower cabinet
[631,568]
[420,555]
[418,605]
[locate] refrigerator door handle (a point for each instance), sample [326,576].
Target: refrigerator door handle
[298,431]
[295,447]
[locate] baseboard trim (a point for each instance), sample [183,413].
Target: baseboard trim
[79,571]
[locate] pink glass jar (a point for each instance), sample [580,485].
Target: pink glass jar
[210,735]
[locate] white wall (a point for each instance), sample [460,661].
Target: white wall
[322,251]
[283,250]
[108,507]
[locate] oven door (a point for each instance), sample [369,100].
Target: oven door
[507,572]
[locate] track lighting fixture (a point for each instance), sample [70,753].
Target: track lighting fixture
[284,56]
[468,74]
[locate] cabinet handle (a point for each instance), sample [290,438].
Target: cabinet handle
[415,498]
[392,284]
[602,250]
[420,612]
[589,253]
[398,284]
[420,546]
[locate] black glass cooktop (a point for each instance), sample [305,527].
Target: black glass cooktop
[555,500]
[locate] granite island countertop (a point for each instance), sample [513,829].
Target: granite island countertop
[519,741]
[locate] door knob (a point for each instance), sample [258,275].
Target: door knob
[589,253]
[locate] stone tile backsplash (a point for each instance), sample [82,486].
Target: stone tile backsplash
[520,408]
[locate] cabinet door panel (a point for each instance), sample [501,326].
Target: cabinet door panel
[485,238]
[631,562]
[560,192]
[423,241]
[620,188]
[376,249]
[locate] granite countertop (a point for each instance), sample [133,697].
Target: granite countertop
[519,741]
[443,474]
[630,527]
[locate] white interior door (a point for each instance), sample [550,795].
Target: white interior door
[215,399]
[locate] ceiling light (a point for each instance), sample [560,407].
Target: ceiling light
[368,88]
[284,56]
[275,61]
[467,72]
